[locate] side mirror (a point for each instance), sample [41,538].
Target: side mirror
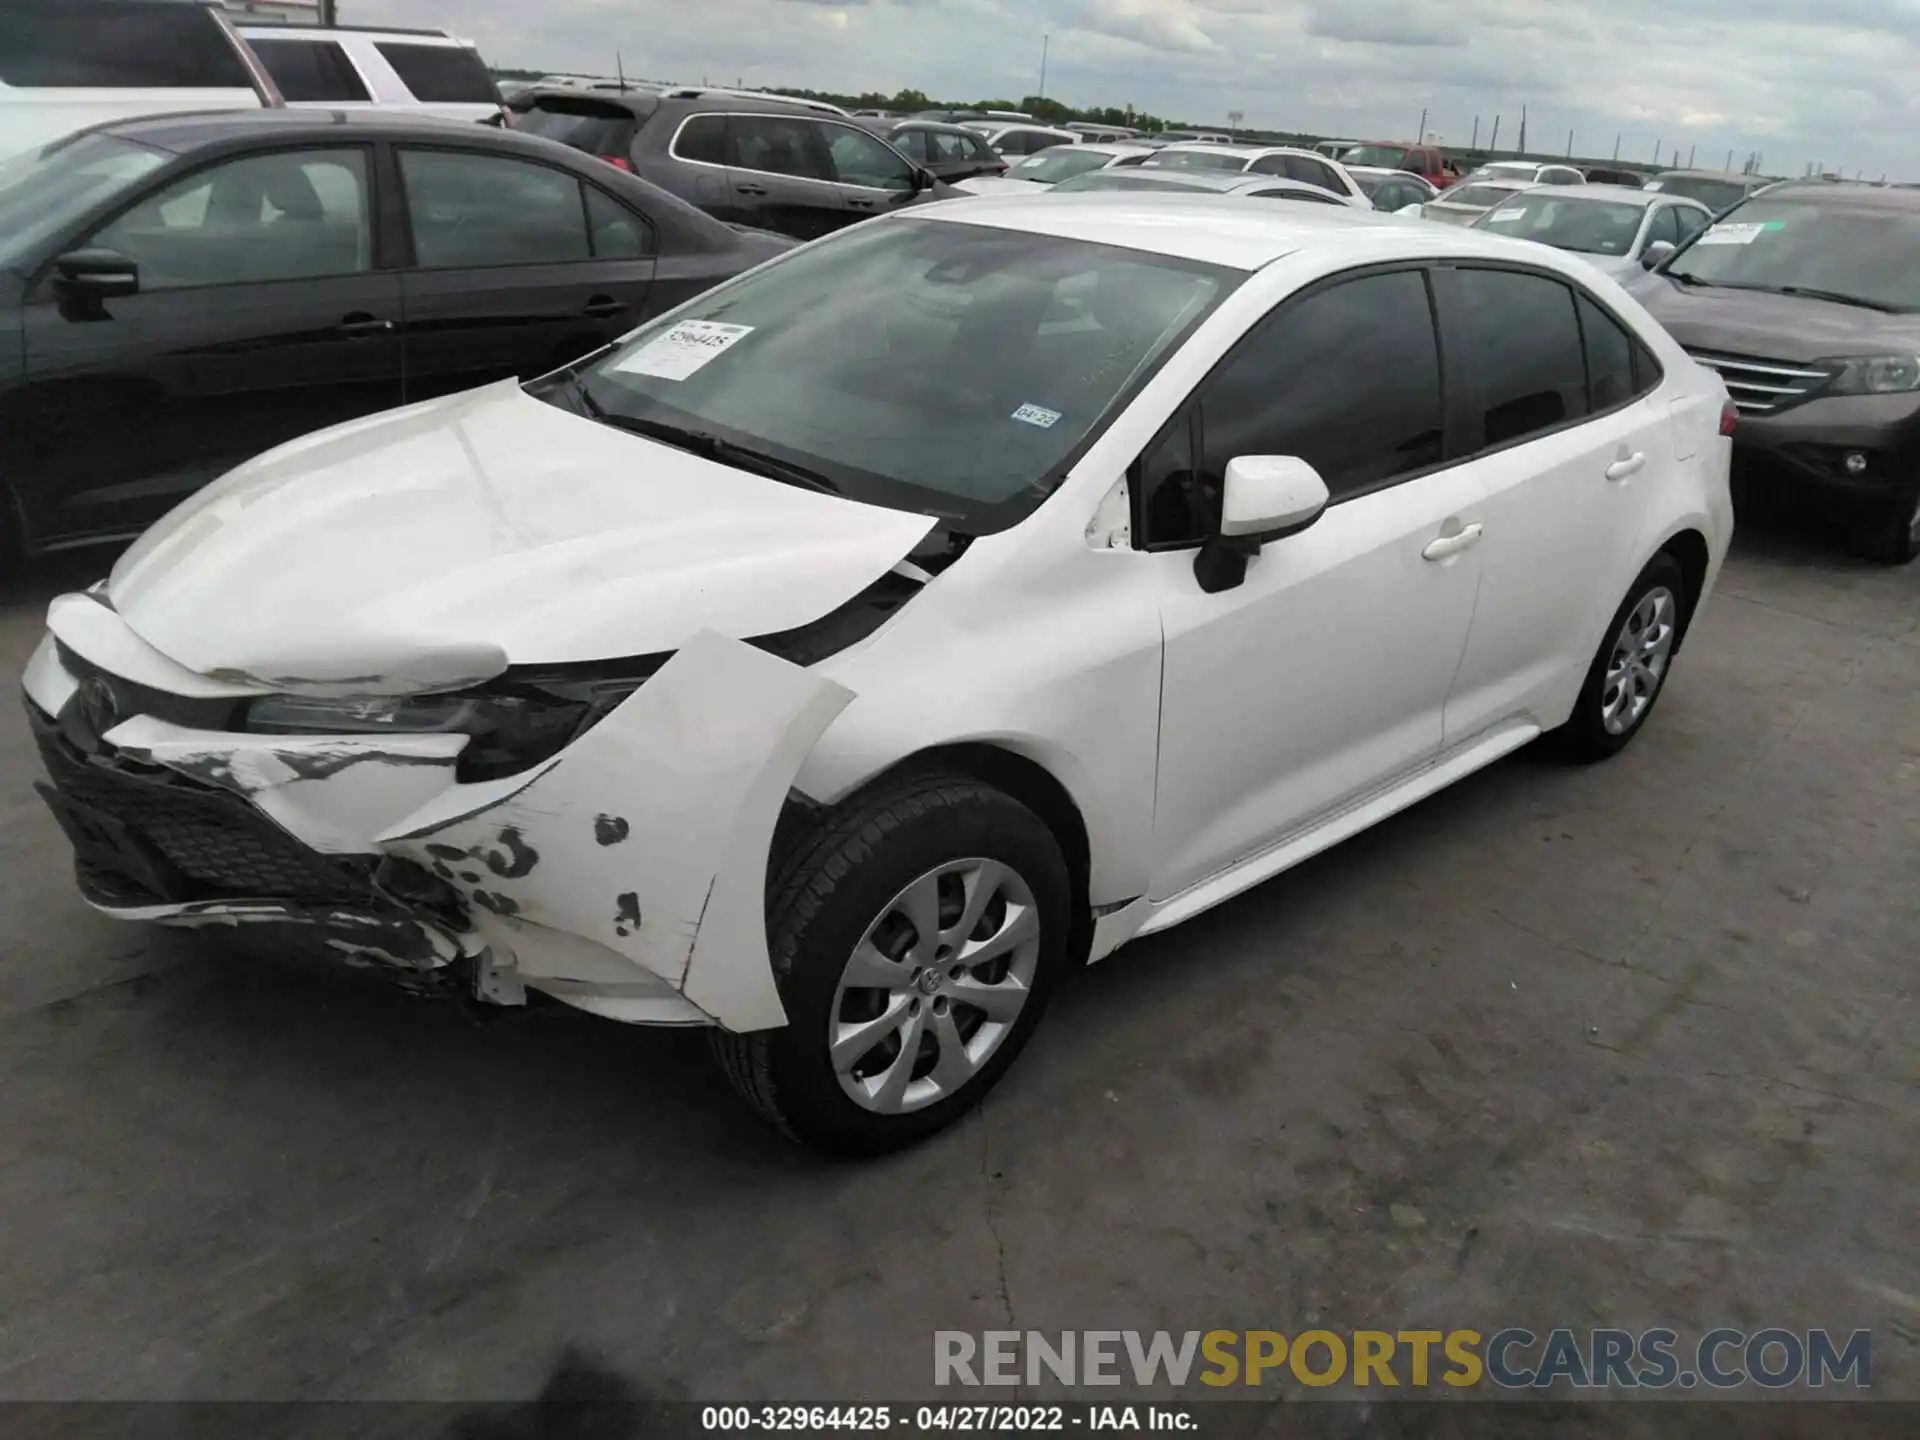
[923,179]
[1263,497]
[96,274]
[1655,252]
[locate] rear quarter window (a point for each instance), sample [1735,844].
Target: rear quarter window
[310,69]
[119,46]
[440,74]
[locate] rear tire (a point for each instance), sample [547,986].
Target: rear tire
[897,1026]
[1890,534]
[1630,669]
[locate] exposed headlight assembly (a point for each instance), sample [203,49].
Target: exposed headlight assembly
[1873,374]
[515,722]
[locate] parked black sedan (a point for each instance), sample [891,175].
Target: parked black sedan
[182,292]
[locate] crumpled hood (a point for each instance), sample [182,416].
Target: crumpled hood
[1795,328]
[432,546]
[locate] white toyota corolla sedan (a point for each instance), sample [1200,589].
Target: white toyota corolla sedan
[842,656]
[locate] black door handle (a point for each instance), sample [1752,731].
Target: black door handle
[602,307]
[751,189]
[361,323]
[859,204]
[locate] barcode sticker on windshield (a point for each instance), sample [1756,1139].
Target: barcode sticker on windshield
[1036,415]
[1734,234]
[683,349]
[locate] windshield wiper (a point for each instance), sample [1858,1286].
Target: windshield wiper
[1687,277]
[708,446]
[1835,296]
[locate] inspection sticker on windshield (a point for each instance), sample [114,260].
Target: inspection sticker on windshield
[1743,234]
[683,349]
[1504,217]
[1036,415]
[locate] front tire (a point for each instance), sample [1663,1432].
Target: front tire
[916,934]
[1630,670]
[1891,533]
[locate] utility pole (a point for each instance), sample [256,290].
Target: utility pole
[1523,132]
[1234,117]
[1045,40]
[1569,144]
[1420,136]
[1616,145]
[1690,150]
[1729,162]
[1493,145]
[327,16]
[1656,152]
[1476,134]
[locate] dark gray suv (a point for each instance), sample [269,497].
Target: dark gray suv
[743,159]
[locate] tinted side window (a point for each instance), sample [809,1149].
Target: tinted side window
[1323,175]
[1609,349]
[1665,225]
[1269,165]
[440,74]
[118,46]
[310,69]
[296,215]
[1516,342]
[978,149]
[481,210]
[860,159]
[1348,379]
[913,144]
[617,233]
[773,144]
[1689,221]
[703,138]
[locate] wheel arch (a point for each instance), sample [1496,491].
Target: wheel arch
[1019,776]
[1689,548]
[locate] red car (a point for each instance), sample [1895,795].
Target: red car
[1426,161]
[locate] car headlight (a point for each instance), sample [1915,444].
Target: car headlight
[1873,374]
[511,729]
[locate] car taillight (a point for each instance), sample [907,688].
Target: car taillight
[1729,417]
[619,162]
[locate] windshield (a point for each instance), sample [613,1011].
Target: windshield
[1387,157]
[920,364]
[1062,162]
[1716,195]
[1787,245]
[1131,180]
[1589,227]
[1197,160]
[44,191]
[1479,196]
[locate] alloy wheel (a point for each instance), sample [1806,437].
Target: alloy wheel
[1638,663]
[934,986]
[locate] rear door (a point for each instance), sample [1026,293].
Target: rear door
[781,178]
[517,267]
[443,77]
[259,317]
[872,177]
[1553,405]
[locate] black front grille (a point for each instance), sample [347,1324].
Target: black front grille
[185,841]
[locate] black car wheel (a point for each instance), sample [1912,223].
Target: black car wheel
[1890,533]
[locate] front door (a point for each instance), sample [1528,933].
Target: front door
[781,179]
[1323,675]
[519,267]
[259,318]
[872,177]
[1571,448]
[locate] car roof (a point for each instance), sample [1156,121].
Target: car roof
[1112,147]
[1248,152]
[1385,172]
[1708,175]
[1217,229]
[182,131]
[1493,183]
[1195,181]
[1860,197]
[938,127]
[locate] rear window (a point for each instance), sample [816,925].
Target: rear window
[118,46]
[310,69]
[596,129]
[440,74]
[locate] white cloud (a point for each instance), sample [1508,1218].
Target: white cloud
[1797,82]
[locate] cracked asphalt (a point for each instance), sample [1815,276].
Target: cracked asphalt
[1631,1045]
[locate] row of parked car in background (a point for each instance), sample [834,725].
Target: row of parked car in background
[359,255]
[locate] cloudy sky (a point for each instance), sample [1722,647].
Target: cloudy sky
[1800,82]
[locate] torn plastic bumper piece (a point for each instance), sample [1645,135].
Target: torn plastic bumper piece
[625,875]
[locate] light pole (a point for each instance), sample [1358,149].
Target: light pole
[1044,41]
[1234,117]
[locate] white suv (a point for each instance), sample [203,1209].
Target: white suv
[347,68]
[65,66]
[838,686]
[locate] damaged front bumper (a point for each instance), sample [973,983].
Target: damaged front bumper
[624,875]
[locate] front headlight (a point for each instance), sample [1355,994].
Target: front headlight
[510,730]
[1873,374]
